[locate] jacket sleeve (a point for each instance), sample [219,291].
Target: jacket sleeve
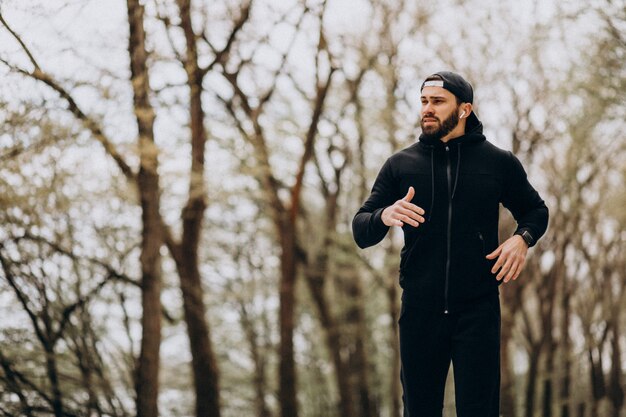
[367,226]
[523,201]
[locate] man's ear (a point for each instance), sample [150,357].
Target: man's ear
[466,109]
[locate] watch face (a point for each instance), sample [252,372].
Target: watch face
[527,237]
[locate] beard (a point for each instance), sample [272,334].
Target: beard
[441,129]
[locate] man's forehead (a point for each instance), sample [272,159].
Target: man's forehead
[436,91]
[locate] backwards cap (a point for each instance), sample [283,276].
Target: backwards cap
[454,83]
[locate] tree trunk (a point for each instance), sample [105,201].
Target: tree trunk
[566,389]
[316,280]
[147,379]
[395,383]
[317,277]
[598,386]
[284,218]
[531,383]
[286,222]
[358,366]
[86,365]
[259,379]
[204,363]
[356,317]
[509,306]
[615,388]
[287,368]
[53,378]
[547,394]
[148,367]
[548,382]
[566,352]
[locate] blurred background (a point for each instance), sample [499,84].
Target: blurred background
[178,179]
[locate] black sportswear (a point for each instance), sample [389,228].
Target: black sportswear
[460,185]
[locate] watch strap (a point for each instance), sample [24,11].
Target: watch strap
[528,238]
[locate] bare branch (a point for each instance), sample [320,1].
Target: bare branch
[222,55]
[88,122]
[68,252]
[168,26]
[281,68]
[322,90]
[19,40]
[10,376]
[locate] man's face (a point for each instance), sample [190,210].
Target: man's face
[439,112]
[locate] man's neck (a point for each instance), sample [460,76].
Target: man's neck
[456,133]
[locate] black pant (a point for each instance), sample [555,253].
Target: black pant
[470,339]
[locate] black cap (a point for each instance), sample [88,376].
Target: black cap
[454,83]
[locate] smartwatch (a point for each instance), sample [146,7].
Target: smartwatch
[528,238]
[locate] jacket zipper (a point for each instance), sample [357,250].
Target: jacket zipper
[449,175]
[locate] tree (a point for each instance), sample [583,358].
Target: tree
[156,232]
[53,351]
[284,214]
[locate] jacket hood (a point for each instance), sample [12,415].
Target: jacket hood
[473,133]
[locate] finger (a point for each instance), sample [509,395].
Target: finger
[498,264]
[409,195]
[408,220]
[494,254]
[413,215]
[520,268]
[514,271]
[511,268]
[500,273]
[506,266]
[398,219]
[517,271]
[412,207]
[518,260]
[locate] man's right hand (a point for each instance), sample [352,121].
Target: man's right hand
[402,211]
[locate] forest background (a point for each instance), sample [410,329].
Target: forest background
[178,178]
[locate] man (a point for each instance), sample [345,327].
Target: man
[444,191]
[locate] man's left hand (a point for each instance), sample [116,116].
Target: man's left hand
[511,256]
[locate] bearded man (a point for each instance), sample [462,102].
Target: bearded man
[444,192]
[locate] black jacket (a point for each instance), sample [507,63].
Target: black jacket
[459,184]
